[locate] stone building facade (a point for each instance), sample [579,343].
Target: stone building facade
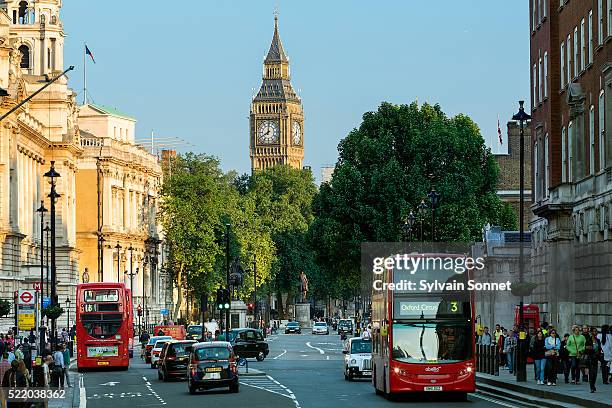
[41,131]
[508,186]
[118,184]
[571,98]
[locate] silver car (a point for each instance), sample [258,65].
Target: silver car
[320,328]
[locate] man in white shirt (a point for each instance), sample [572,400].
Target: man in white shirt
[58,367]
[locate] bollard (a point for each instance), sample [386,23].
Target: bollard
[478,356]
[496,361]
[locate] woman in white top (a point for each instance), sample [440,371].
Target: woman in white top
[605,337]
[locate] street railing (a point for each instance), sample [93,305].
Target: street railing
[487,359]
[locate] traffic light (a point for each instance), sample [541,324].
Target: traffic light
[223,299]
[251,307]
[219,301]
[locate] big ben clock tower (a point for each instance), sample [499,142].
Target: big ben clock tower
[277,118]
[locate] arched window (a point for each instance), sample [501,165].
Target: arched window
[25,56]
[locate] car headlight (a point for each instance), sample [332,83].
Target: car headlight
[353,361]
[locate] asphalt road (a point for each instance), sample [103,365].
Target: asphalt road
[302,371]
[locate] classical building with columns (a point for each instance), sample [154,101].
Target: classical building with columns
[118,184]
[41,131]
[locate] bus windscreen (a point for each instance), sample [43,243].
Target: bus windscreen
[432,343]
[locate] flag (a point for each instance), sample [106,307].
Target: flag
[88,52]
[501,141]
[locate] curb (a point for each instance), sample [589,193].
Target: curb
[531,394]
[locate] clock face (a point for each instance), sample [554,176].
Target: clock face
[296,133]
[268,132]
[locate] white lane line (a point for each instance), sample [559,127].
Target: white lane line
[316,348]
[498,402]
[280,355]
[327,358]
[275,388]
[82,393]
[152,391]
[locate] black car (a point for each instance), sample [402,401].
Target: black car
[173,359]
[212,365]
[345,326]
[249,343]
[293,327]
[194,332]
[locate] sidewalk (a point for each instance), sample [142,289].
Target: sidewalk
[529,392]
[72,393]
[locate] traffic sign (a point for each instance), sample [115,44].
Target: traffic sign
[25,297]
[164,312]
[46,302]
[36,285]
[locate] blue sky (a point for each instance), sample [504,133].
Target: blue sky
[188,69]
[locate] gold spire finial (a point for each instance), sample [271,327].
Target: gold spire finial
[275,16]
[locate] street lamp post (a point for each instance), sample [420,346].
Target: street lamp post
[255,289]
[409,224]
[47,238]
[42,210]
[131,274]
[227,279]
[118,248]
[52,175]
[521,117]
[68,313]
[434,198]
[131,249]
[421,209]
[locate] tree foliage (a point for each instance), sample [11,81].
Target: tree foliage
[386,167]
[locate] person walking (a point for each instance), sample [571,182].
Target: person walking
[605,338]
[584,361]
[66,354]
[13,378]
[552,345]
[537,353]
[594,355]
[564,358]
[26,373]
[575,348]
[485,338]
[509,349]
[57,375]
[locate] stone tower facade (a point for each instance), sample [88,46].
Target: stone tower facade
[277,118]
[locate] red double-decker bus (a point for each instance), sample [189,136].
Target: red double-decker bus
[104,325]
[423,335]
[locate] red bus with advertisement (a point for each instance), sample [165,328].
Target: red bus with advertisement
[104,325]
[423,336]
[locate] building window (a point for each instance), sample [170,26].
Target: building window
[583,45]
[536,166]
[25,56]
[534,14]
[545,74]
[590,45]
[600,26]
[602,130]
[544,12]
[563,156]
[546,166]
[609,17]
[592,140]
[570,153]
[562,64]
[540,79]
[576,49]
[535,86]
[569,58]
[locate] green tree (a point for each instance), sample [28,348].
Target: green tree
[386,167]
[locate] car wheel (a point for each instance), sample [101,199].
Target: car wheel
[192,390]
[260,356]
[345,374]
[350,376]
[164,376]
[234,387]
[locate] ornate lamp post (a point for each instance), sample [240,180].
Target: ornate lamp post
[118,248]
[131,275]
[68,312]
[421,210]
[52,175]
[434,198]
[47,238]
[521,117]
[227,270]
[409,224]
[42,210]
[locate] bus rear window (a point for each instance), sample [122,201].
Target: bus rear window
[102,326]
[101,295]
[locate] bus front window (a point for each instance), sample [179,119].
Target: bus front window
[428,343]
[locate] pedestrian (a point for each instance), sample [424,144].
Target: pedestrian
[584,361]
[26,373]
[57,374]
[500,351]
[32,337]
[537,353]
[66,354]
[564,358]
[575,348]
[553,346]
[27,354]
[11,354]
[19,353]
[531,345]
[509,348]
[594,355]
[485,338]
[4,365]
[65,336]
[13,378]
[605,338]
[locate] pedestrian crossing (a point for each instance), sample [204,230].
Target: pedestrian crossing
[267,383]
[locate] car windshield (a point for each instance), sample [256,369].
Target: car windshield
[429,343]
[194,329]
[179,349]
[160,344]
[321,324]
[292,324]
[361,346]
[345,323]
[153,340]
[212,353]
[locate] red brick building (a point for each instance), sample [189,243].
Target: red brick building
[571,97]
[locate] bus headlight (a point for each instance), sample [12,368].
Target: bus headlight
[353,361]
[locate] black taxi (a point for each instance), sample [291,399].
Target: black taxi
[212,365]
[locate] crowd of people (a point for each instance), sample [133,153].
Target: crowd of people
[579,354]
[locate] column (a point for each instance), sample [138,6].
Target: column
[126,207]
[106,198]
[19,186]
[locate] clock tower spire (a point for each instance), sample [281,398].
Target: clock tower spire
[277,118]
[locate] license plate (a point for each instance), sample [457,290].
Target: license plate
[103,363]
[212,376]
[434,388]
[213,369]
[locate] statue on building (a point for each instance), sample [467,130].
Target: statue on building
[303,286]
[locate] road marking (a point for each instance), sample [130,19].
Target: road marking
[82,393]
[152,391]
[327,358]
[498,402]
[280,355]
[269,384]
[316,348]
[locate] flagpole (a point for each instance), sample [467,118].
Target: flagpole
[84,74]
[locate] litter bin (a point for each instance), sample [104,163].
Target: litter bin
[38,376]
